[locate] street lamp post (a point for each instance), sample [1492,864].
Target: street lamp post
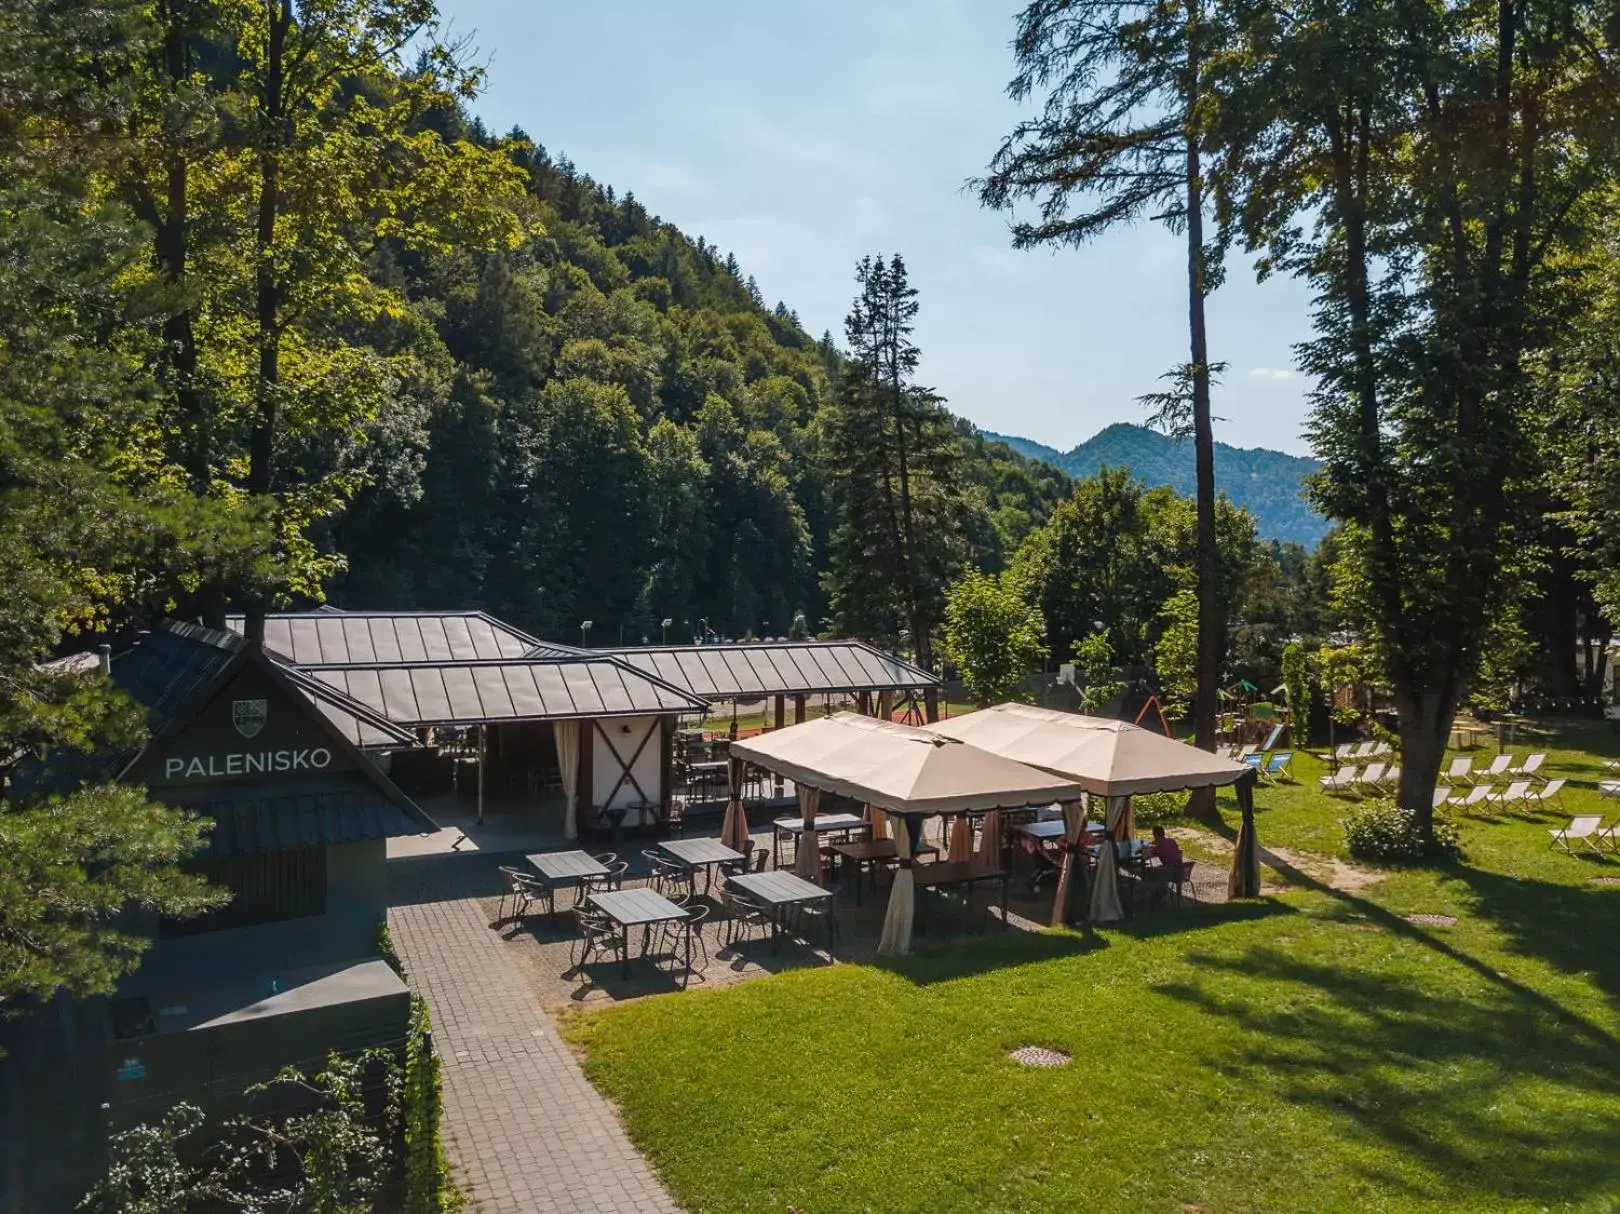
[584,633]
[664,624]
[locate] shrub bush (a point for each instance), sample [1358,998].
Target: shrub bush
[1381,830]
[1158,808]
[429,1188]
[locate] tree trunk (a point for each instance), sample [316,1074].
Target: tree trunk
[1425,726]
[261,447]
[1210,641]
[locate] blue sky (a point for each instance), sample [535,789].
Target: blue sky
[800,136]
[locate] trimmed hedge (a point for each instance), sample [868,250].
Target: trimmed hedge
[429,1187]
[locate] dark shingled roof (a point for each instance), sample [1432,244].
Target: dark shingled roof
[747,670]
[178,663]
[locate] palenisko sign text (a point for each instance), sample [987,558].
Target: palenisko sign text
[246,763]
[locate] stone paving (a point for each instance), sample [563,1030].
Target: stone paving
[525,1129]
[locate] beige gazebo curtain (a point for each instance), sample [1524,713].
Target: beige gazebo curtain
[960,850]
[990,840]
[1072,876]
[807,862]
[896,938]
[566,734]
[878,821]
[1245,879]
[1105,905]
[734,831]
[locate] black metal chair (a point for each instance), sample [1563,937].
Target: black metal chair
[677,932]
[523,888]
[808,914]
[612,879]
[742,913]
[597,934]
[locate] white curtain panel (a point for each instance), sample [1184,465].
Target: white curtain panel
[567,735]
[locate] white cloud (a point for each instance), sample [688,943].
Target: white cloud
[1272,373]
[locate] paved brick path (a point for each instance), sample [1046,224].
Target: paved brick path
[524,1128]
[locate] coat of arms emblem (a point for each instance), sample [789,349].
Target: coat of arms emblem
[249,716]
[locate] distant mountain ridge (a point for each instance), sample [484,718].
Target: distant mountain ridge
[1269,484]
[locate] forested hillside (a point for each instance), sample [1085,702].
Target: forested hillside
[609,424]
[1266,483]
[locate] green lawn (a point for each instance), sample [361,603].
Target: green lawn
[1314,1051]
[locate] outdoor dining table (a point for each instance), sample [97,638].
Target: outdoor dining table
[564,868]
[702,853]
[1129,851]
[825,824]
[864,853]
[707,772]
[958,872]
[781,891]
[1051,828]
[641,908]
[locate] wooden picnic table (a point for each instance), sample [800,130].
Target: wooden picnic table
[641,908]
[866,853]
[958,872]
[781,891]
[702,853]
[565,868]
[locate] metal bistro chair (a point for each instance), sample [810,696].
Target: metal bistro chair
[677,931]
[743,913]
[612,879]
[523,888]
[737,868]
[597,934]
[806,915]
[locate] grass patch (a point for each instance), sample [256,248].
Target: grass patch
[1314,1051]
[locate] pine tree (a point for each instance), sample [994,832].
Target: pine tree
[893,454]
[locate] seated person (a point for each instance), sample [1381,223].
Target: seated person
[1167,849]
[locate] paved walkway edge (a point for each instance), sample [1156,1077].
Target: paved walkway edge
[524,1127]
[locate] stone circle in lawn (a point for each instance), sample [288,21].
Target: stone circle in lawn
[1432,920]
[1036,1055]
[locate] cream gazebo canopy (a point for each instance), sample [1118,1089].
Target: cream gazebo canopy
[1116,760]
[908,772]
[1106,758]
[900,768]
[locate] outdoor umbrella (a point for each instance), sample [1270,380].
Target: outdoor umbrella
[734,830]
[908,772]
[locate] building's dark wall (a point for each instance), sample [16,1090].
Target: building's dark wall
[356,900]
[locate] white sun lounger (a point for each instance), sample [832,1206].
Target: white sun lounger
[1583,829]
[1479,794]
[1442,794]
[1530,766]
[1548,795]
[1515,793]
[1339,781]
[1499,767]
[1461,770]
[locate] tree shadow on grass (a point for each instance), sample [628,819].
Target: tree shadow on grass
[1493,1096]
[1575,928]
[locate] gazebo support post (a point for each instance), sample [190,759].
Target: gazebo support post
[483,760]
[1245,879]
[798,710]
[781,723]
